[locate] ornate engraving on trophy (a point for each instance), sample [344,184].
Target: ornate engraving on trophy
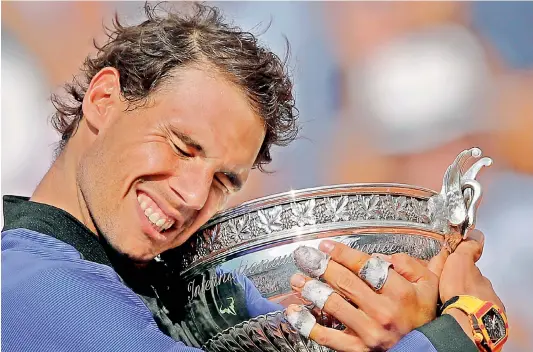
[301,214]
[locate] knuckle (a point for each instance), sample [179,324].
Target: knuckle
[346,283]
[378,340]
[349,257]
[339,250]
[462,256]
[400,258]
[386,320]
[333,305]
[322,338]
[404,293]
[389,317]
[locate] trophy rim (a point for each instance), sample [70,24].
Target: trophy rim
[231,246]
[335,190]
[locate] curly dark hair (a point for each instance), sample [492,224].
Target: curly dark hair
[146,54]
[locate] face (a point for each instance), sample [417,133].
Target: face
[152,176]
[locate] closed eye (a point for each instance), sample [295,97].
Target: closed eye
[222,185]
[180,151]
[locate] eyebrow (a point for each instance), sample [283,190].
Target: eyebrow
[233,178]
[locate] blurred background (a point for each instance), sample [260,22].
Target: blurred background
[387,92]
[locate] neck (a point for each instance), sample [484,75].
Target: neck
[59,187]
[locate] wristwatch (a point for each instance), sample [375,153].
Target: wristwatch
[489,322]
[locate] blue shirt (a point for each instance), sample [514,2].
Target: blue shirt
[54,300]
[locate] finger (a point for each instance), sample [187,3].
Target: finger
[336,340]
[350,285]
[311,290]
[436,264]
[408,267]
[344,257]
[351,288]
[356,320]
[327,300]
[387,257]
[311,261]
[303,321]
[316,263]
[472,247]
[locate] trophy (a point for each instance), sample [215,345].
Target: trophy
[205,300]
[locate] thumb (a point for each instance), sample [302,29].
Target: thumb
[472,247]
[436,264]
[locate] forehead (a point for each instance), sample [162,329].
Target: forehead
[206,106]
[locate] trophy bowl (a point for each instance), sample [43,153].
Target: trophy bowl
[208,300]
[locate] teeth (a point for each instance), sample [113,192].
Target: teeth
[160,221]
[167,226]
[154,217]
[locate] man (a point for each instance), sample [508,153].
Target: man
[167,122]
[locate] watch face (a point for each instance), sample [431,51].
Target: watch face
[495,325]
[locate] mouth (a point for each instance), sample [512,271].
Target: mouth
[157,218]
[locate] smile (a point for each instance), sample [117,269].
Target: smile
[154,214]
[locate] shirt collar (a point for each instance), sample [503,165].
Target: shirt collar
[21,212]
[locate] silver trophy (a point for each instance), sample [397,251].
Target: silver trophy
[206,299]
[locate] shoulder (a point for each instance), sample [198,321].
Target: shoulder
[39,266]
[29,256]
[54,302]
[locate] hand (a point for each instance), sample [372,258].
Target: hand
[461,276]
[406,301]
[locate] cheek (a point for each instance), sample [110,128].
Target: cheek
[150,158]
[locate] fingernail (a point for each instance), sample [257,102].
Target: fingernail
[298,280]
[326,246]
[311,261]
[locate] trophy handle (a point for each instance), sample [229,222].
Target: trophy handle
[461,192]
[473,193]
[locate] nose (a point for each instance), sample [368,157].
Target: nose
[193,185]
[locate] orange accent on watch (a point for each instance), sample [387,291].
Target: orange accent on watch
[489,322]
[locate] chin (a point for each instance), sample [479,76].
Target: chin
[140,253]
[141,257]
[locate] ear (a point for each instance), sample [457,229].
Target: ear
[102,98]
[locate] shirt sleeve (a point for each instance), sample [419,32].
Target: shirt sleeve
[443,334]
[77,308]
[415,341]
